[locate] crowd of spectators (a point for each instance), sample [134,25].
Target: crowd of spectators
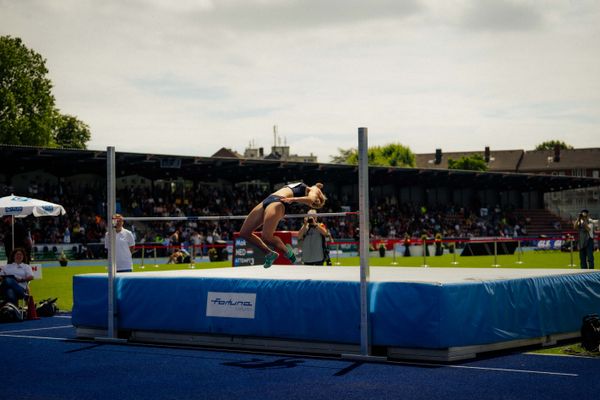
[392,220]
[85,221]
[82,224]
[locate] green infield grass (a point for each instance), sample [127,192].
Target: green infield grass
[570,349]
[58,281]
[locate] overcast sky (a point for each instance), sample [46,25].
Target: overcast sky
[191,76]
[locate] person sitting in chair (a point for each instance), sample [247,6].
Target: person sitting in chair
[15,277]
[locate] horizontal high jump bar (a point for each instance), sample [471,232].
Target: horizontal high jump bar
[230,217]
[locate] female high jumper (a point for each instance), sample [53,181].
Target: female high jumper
[270,211]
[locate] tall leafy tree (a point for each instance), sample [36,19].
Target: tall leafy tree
[396,155]
[28,115]
[343,156]
[393,155]
[476,162]
[550,144]
[71,132]
[26,102]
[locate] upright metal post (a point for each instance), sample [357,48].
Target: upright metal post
[193,258]
[111,332]
[572,263]
[12,220]
[519,252]
[425,254]
[455,249]
[143,255]
[363,203]
[496,254]
[112,264]
[337,257]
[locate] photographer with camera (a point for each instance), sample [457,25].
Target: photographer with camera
[313,240]
[585,228]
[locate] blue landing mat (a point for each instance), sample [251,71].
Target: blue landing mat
[434,308]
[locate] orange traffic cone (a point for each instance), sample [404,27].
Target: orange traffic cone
[31,311]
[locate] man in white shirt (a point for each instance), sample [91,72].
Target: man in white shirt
[124,245]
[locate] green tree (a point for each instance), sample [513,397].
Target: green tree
[71,132]
[26,101]
[396,155]
[28,115]
[392,155]
[342,157]
[476,162]
[550,144]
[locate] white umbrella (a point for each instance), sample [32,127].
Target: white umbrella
[20,207]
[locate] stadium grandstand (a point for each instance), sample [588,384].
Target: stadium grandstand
[419,201]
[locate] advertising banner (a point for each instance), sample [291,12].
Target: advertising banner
[246,254]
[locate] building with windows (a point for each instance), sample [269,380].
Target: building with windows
[279,151]
[567,202]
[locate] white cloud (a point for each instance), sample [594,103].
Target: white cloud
[189,77]
[502,15]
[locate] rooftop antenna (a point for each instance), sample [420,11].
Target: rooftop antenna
[274,135]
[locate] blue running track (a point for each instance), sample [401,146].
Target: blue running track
[43,360]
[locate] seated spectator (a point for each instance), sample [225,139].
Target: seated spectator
[556,225]
[15,277]
[179,256]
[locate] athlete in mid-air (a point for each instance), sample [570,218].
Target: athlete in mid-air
[271,210]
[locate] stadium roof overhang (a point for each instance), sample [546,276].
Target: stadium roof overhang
[68,162]
[480,180]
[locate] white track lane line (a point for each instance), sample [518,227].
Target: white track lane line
[36,329]
[522,371]
[41,337]
[519,371]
